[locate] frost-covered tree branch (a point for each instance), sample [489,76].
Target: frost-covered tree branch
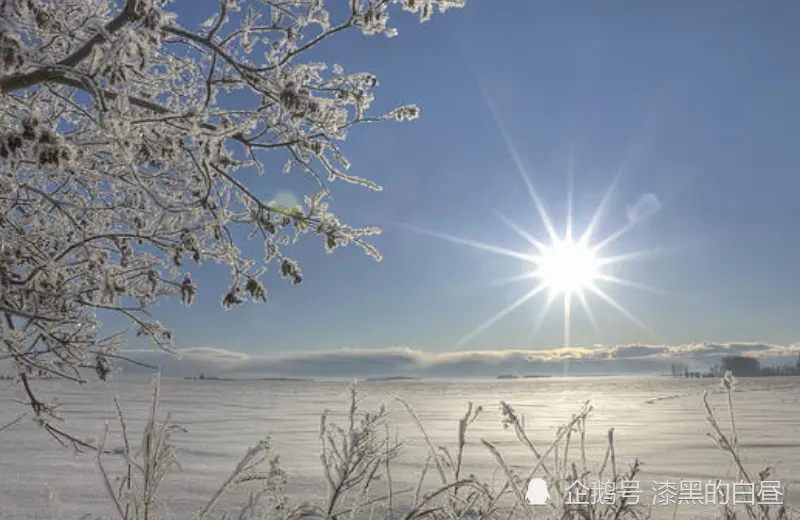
[127,142]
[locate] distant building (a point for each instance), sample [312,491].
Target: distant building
[742,366]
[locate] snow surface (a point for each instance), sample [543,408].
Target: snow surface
[658,420]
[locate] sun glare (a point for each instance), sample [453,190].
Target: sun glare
[567,267]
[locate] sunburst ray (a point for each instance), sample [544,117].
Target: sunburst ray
[563,267]
[502,314]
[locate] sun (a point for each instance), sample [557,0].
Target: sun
[567,267]
[570,269]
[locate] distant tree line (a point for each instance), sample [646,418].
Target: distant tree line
[202,377]
[38,374]
[682,370]
[740,366]
[787,369]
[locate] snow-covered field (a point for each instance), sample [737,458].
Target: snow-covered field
[658,420]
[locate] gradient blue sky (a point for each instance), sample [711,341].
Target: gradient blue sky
[702,98]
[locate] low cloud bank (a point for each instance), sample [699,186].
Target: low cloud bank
[404,361]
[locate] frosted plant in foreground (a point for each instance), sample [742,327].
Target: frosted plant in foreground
[135,494]
[728,381]
[129,144]
[358,453]
[729,443]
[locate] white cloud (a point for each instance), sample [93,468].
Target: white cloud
[404,361]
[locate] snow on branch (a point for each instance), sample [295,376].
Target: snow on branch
[125,142]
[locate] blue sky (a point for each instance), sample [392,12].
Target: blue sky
[700,98]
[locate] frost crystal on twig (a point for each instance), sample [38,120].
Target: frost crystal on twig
[126,140]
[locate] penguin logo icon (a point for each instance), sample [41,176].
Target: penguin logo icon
[537,494]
